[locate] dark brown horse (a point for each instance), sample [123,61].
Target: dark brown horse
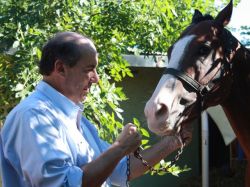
[207,66]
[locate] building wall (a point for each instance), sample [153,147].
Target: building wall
[138,90]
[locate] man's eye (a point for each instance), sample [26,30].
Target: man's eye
[87,70]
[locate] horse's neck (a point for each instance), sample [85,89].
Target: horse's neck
[237,106]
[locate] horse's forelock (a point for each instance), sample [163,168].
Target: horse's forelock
[195,20]
[202,18]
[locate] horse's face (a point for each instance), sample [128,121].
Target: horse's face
[200,54]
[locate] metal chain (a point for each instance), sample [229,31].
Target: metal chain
[128,170]
[165,169]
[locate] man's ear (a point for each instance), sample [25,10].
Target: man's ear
[59,67]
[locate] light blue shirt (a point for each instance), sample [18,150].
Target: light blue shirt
[42,146]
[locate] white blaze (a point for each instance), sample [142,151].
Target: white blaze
[179,51]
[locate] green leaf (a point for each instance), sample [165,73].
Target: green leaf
[16,44]
[144,141]
[144,133]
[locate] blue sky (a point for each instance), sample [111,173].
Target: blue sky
[241,17]
[241,14]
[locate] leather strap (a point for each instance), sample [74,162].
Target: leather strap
[199,88]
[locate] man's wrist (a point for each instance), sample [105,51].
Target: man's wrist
[120,148]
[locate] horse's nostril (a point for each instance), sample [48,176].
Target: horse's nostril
[162,110]
[183,101]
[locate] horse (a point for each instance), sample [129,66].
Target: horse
[207,66]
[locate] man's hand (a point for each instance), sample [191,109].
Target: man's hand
[129,139]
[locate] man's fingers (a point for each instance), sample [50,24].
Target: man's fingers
[132,129]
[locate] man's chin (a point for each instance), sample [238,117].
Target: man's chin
[84,97]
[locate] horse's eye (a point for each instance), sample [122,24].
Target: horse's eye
[204,50]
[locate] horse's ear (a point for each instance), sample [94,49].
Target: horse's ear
[197,16]
[224,16]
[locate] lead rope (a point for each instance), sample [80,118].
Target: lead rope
[138,155]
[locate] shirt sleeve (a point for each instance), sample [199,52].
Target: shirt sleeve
[44,159]
[119,175]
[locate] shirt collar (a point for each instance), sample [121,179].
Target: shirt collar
[62,102]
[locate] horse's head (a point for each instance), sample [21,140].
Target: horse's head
[198,74]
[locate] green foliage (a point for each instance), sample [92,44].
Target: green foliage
[174,170]
[116,27]
[245,33]
[242,34]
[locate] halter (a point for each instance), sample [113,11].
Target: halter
[202,90]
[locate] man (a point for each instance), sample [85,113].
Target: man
[45,140]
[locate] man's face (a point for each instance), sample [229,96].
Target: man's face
[78,79]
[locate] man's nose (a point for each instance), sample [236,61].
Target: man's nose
[95,77]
